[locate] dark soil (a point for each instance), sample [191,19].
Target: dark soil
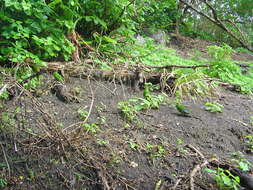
[45,146]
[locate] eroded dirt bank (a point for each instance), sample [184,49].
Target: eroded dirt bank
[47,146]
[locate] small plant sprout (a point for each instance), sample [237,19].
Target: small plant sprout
[92,128]
[127,110]
[3,183]
[155,151]
[133,145]
[102,142]
[115,159]
[249,143]
[180,145]
[225,180]
[213,107]
[179,141]
[240,161]
[82,114]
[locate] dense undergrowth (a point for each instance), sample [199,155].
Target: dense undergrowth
[58,30]
[222,66]
[36,32]
[189,82]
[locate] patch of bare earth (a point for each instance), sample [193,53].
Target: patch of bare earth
[47,147]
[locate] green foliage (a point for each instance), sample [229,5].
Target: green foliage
[58,77]
[213,107]
[7,121]
[5,94]
[131,107]
[91,128]
[156,14]
[180,146]
[224,68]
[32,30]
[132,144]
[240,161]
[221,65]
[155,151]
[225,179]
[251,120]
[127,110]
[249,143]
[102,142]
[3,183]
[82,114]
[192,84]
[144,104]
[234,15]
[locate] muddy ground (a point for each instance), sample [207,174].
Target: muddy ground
[45,150]
[44,144]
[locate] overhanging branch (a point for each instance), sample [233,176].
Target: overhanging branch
[217,22]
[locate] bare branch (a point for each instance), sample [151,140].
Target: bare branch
[218,22]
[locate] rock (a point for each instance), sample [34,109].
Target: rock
[160,37]
[140,39]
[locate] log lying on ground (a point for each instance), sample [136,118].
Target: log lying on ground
[135,77]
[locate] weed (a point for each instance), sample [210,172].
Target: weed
[132,144]
[153,102]
[7,121]
[224,68]
[4,94]
[22,73]
[92,128]
[155,151]
[102,142]
[240,161]
[82,114]
[101,108]
[3,182]
[31,174]
[127,126]
[179,142]
[58,77]
[192,84]
[131,107]
[249,143]
[77,90]
[115,159]
[128,110]
[60,124]
[213,107]
[180,145]
[225,179]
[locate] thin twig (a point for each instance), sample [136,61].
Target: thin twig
[176,66]
[196,150]
[6,160]
[198,166]
[101,174]
[89,112]
[244,124]
[176,184]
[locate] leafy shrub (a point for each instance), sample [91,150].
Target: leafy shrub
[224,68]
[225,179]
